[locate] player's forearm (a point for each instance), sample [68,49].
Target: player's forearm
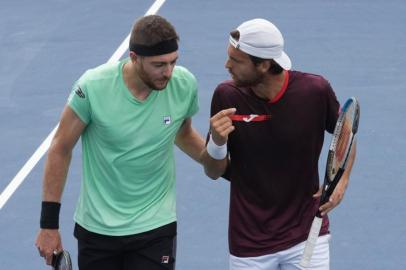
[213,168]
[190,142]
[193,145]
[56,171]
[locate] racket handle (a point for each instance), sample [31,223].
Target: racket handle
[311,242]
[55,258]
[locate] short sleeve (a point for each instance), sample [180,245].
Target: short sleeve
[333,108]
[78,101]
[194,102]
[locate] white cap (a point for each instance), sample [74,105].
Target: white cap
[261,38]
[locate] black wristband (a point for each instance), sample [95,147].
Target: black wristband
[50,215]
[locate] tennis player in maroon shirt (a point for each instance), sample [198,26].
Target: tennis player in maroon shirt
[266,134]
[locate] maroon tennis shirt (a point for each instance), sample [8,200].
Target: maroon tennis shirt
[274,153]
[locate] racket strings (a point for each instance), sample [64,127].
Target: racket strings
[342,140]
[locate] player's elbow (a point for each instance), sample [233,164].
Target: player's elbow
[214,172]
[59,148]
[211,175]
[213,168]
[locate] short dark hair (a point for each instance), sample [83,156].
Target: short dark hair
[151,30]
[275,68]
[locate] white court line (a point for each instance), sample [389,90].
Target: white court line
[43,148]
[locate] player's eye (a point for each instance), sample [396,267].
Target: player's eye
[234,60]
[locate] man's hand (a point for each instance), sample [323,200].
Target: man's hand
[48,241]
[335,198]
[221,126]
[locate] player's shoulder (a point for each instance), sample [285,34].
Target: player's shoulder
[309,83]
[310,79]
[182,73]
[99,73]
[226,86]
[228,92]
[228,89]
[182,81]
[103,71]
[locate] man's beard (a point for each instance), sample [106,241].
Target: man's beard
[152,85]
[249,82]
[148,82]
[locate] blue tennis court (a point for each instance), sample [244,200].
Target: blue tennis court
[359,46]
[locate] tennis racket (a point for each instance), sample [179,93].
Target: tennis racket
[340,148]
[62,261]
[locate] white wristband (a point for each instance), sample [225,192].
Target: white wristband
[218,152]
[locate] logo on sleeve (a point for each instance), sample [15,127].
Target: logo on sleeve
[79,92]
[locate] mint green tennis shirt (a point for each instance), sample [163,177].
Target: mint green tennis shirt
[128,184]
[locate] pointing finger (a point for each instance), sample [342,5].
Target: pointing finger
[224,113]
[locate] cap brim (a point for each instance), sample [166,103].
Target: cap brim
[284,61]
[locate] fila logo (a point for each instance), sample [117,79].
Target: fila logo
[167,120]
[165,259]
[79,92]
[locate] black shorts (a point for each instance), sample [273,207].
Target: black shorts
[152,250]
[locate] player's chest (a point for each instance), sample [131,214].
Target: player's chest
[283,124]
[127,124]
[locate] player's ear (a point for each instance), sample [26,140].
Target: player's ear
[264,66]
[134,57]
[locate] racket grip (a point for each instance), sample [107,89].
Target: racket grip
[55,258]
[311,242]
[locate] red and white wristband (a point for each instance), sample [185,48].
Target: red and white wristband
[218,152]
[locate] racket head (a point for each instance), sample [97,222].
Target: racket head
[343,138]
[62,261]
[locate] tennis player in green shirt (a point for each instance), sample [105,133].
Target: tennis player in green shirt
[129,115]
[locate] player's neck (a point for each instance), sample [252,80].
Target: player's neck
[134,83]
[270,86]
